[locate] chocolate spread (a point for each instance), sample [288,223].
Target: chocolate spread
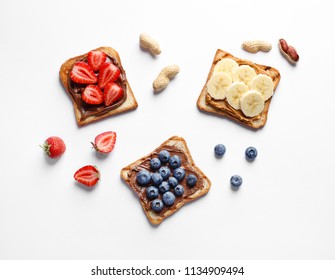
[88,110]
[145,164]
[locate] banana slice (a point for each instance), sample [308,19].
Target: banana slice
[234,93]
[226,65]
[252,103]
[263,84]
[217,85]
[244,73]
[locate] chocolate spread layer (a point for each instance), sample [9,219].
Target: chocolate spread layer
[88,110]
[145,164]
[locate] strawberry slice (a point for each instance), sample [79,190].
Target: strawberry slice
[108,73]
[105,142]
[88,175]
[112,93]
[82,73]
[95,59]
[92,94]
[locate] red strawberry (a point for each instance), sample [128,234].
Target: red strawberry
[92,94]
[82,73]
[112,93]
[88,175]
[54,147]
[108,73]
[104,142]
[95,59]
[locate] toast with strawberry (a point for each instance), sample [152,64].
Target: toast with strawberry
[97,85]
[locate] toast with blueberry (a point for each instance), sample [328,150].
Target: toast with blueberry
[97,85]
[239,89]
[166,179]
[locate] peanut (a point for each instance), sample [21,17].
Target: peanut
[148,43]
[256,46]
[288,52]
[164,77]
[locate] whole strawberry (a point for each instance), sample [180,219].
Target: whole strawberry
[54,147]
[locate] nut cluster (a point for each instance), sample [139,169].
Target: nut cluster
[168,72]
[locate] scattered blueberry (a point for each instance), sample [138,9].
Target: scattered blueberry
[179,173]
[157,178]
[152,192]
[179,190]
[165,172]
[164,187]
[155,163]
[236,181]
[175,162]
[191,180]
[219,150]
[251,153]
[157,205]
[164,156]
[143,177]
[173,182]
[168,198]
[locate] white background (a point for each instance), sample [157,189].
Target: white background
[285,208]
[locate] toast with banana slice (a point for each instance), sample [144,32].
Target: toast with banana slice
[239,89]
[166,179]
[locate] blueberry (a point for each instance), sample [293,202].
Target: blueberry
[173,182]
[175,162]
[157,205]
[164,156]
[236,181]
[152,192]
[251,153]
[157,179]
[143,177]
[219,150]
[155,163]
[179,190]
[191,180]
[164,187]
[165,172]
[168,198]
[179,173]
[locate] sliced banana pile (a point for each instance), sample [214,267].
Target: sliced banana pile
[241,86]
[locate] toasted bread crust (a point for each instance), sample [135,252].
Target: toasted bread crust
[222,108]
[129,104]
[180,144]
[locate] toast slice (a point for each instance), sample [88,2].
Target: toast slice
[86,113]
[175,146]
[221,107]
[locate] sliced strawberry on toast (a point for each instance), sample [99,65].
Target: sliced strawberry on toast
[92,94]
[88,175]
[108,73]
[105,142]
[95,59]
[112,93]
[82,73]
